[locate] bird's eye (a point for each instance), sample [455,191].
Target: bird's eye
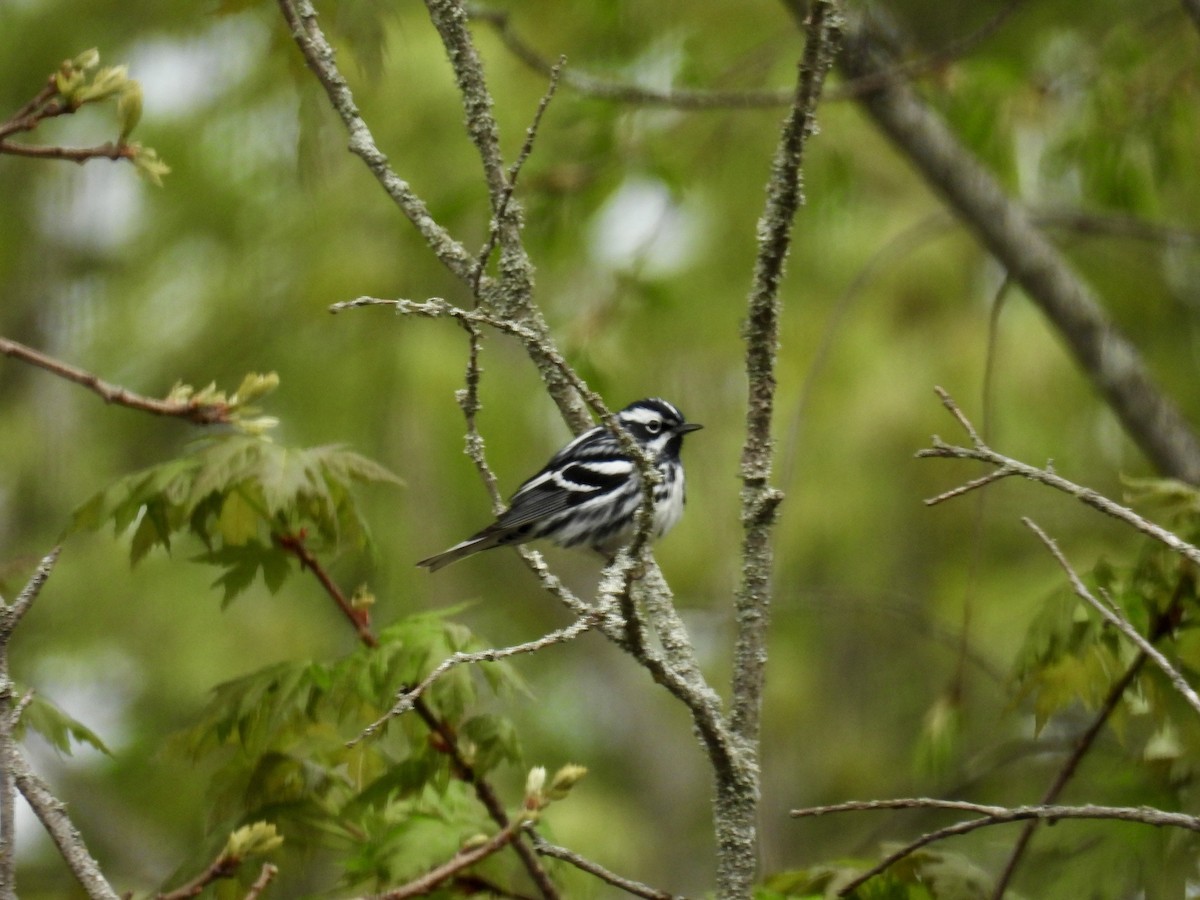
[654,426]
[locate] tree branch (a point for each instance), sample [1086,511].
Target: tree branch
[628,885]
[318,54]
[706,99]
[224,866]
[1004,227]
[49,810]
[53,815]
[990,815]
[195,411]
[71,154]
[1111,615]
[738,788]
[407,698]
[359,619]
[461,860]
[448,740]
[1007,466]
[265,877]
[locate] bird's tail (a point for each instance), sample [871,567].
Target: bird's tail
[485,540]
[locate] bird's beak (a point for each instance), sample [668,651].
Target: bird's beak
[688,426]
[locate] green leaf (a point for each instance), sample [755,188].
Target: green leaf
[239,520]
[233,491]
[60,730]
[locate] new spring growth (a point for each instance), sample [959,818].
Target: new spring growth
[538,796]
[236,408]
[255,839]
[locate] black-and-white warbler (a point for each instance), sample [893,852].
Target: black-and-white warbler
[590,490]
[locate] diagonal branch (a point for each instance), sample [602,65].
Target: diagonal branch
[628,885]
[461,766]
[990,815]
[1114,618]
[53,815]
[407,698]
[318,54]
[16,771]
[1006,229]
[427,883]
[195,411]
[1007,466]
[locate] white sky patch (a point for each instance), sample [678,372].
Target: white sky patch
[96,688]
[643,227]
[180,77]
[96,207]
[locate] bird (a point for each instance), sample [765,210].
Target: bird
[590,490]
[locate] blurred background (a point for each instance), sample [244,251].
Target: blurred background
[890,619]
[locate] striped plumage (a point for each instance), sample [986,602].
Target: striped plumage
[589,491]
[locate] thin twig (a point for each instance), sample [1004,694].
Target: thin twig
[447,739]
[224,866]
[1000,814]
[468,400]
[983,453]
[406,699]
[990,815]
[461,860]
[53,815]
[265,877]
[194,411]
[13,614]
[319,55]
[1113,617]
[359,618]
[514,172]
[628,885]
[10,716]
[38,108]
[709,99]
[71,154]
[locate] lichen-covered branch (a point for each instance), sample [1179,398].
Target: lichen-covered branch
[1006,466]
[1118,621]
[319,55]
[50,810]
[738,794]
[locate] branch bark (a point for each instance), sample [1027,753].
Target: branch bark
[194,411]
[1004,227]
[46,806]
[461,766]
[738,792]
[989,815]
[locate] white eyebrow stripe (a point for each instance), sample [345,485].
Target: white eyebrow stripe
[641,416]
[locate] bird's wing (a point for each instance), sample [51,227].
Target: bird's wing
[565,485]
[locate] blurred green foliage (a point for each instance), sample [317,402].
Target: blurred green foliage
[914,651]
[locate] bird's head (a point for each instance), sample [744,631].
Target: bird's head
[657,425]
